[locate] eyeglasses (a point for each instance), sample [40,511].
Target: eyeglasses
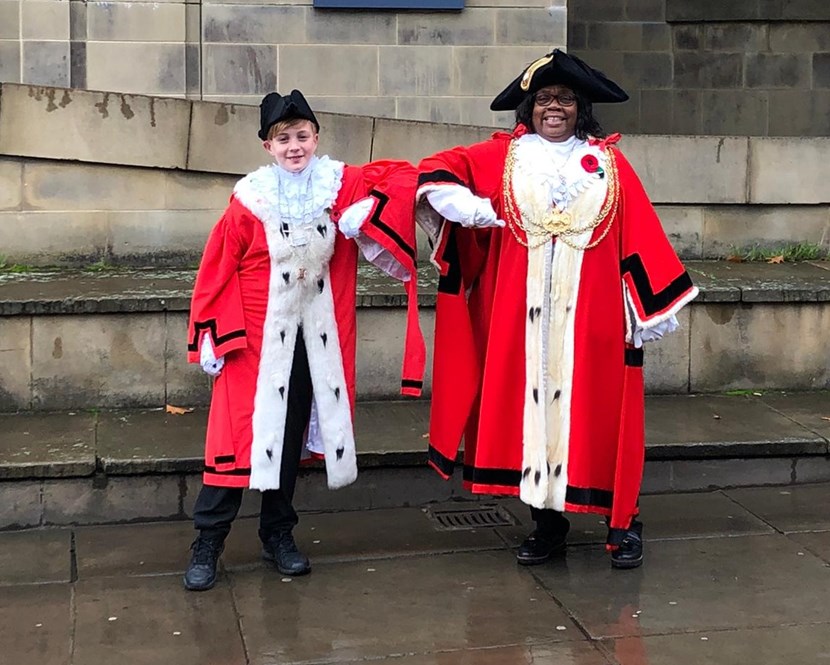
[545,98]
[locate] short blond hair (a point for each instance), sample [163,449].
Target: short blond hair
[281,126]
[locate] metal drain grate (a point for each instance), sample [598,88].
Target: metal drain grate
[470,518]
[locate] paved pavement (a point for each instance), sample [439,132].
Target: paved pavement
[731,577]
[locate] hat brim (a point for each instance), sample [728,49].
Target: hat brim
[563,69]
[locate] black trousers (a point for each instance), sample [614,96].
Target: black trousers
[549,521]
[217,507]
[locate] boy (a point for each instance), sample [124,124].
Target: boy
[273,319]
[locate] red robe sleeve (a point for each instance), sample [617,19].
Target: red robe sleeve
[655,282]
[464,300]
[216,305]
[390,187]
[478,167]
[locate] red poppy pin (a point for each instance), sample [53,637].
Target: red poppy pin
[590,163]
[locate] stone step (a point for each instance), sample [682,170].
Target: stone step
[109,339]
[110,466]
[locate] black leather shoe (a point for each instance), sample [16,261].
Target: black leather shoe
[281,550]
[630,552]
[201,573]
[539,546]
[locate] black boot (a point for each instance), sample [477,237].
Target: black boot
[201,573]
[630,552]
[546,540]
[282,551]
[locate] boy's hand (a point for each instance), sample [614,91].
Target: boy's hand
[213,367]
[208,360]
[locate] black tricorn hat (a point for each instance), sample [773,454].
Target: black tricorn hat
[276,107]
[559,68]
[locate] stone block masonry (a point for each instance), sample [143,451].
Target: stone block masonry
[746,68]
[419,65]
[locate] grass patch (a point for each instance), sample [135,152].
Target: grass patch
[792,253]
[15,268]
[99,266]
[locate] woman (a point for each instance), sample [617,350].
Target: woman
[273,318]
[554,270]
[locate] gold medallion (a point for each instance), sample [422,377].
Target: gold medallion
[557,222]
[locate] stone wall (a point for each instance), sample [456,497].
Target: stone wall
[140,180]
[737,67]
[440,66]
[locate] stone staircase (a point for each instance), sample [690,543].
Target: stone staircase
[98,244]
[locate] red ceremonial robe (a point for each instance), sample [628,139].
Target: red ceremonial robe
[535,364]
[251,315]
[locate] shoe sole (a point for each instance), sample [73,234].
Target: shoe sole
[283,571]
[198,588]
[627,565]
[535,561]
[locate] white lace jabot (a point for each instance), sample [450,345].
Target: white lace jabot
[302,197]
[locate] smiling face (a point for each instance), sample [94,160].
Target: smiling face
[292,144]
[554,113]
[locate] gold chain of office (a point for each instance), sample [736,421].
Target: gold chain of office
[555,222]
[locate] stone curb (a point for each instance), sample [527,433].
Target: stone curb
[75,292]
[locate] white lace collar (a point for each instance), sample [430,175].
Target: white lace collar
[274,194]
[559,166]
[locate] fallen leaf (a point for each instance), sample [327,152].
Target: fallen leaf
[177,410]
[776,259]
[735,258]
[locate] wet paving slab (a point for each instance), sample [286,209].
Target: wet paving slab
[373,534]
[562,653]
[139,549]
[35,557]
[349,611]
[36,624]
[692,585]
[816,542]
[788,509]
[719,586]
[59,446]
[716,426]
[812,410]
[151,441]
[777,644]
[152,620]
[665,517]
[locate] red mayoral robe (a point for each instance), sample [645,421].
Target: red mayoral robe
[536,362]
[252,292]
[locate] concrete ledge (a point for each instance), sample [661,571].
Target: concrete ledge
[789,170]
[126,291]
[138,130]
[93,340]
[686,169]
[109,128]
[122,466]
[393,434]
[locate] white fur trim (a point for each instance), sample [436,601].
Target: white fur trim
[259,191]
[553,282]
[331,393]
[633,322]
[293,301]
[551,175]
